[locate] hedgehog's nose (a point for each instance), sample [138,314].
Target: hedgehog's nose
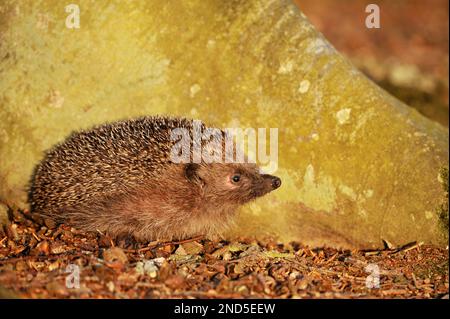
[276,182]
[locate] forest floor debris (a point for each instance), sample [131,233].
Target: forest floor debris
[44,262]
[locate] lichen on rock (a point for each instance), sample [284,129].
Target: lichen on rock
[443,209]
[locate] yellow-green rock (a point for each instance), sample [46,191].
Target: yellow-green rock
[357,165]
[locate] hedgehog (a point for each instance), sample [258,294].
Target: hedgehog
[120,179]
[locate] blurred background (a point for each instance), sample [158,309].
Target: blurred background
[407,56]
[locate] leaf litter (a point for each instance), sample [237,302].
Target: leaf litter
[37,262]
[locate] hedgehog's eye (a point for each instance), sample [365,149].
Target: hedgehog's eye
[236,178]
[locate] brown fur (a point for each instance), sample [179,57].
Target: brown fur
[118,179]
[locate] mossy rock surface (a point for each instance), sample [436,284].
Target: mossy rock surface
[357,165]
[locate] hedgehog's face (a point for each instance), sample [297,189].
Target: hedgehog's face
[231,183]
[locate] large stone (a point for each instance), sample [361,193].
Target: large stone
[357,165]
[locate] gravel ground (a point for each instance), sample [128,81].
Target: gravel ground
[43,262]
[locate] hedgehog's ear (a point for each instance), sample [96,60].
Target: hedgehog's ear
[191,172]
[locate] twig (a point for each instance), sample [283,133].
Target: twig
[157,245]
[35,236]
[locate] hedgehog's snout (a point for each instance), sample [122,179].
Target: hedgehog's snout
[273,181]
[276,182]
